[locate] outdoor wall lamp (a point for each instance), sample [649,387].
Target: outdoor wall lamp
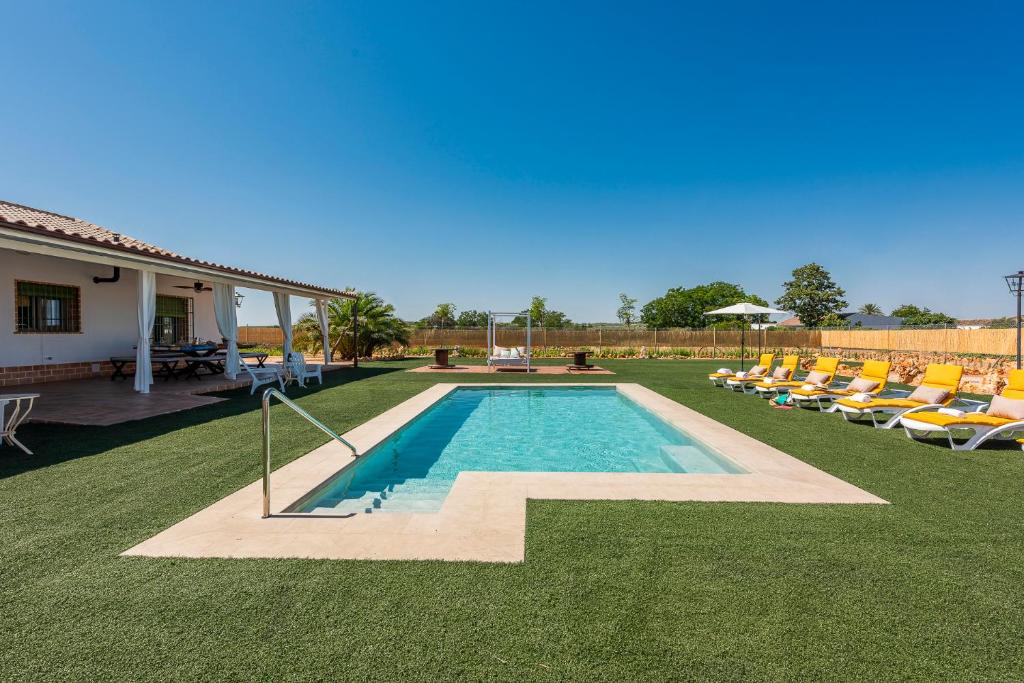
[1015,282]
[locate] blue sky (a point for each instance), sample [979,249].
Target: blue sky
[459,152]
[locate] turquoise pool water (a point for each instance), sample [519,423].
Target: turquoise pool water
[556,429]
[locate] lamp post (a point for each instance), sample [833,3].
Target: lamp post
[1015,282]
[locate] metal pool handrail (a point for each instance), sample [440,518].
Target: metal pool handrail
[266,438]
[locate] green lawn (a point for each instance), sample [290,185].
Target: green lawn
[928,587]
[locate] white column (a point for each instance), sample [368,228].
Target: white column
[282,303]
[227,322]
[322,312]
[147,316]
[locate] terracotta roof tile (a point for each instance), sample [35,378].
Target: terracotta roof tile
[75,229]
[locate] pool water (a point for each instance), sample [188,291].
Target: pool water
[556,429]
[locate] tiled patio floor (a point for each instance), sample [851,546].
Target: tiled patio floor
[102,402]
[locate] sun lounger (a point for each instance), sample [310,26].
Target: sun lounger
[822,374]
[719,379]
[873,372]
[783,373]
[978,426]
[938,390]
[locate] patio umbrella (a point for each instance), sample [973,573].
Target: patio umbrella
[745,309]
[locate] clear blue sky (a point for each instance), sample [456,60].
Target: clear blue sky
[457,152]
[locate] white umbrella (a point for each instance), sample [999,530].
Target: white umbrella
[745,309]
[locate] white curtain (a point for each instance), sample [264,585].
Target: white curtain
[284,319]
[147,316]
[321,313]
[227,323]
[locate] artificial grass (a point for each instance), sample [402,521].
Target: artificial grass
[928,587]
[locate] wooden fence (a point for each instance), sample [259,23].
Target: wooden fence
[264,336]
[999,342]
[983,342]
[600,337]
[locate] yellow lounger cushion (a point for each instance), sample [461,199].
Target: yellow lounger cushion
[970,419]
[775,385]
[883,403]
[1015,386]
[822,392]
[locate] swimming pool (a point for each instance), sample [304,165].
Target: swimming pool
[509,429]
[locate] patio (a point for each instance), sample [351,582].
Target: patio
[101,402]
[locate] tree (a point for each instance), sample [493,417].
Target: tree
[812,295]
[920,317]
[541,316]
[443,315]
[378,327]
[472,318]
[870,309]
[681,307]
[627,311]
[538,307]
[833,320]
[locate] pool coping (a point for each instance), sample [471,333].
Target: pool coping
[484,516]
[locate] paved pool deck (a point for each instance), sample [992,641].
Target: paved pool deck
[484,517]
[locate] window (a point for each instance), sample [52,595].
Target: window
[42,308]
[173,324]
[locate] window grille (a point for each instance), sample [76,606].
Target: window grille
[42,308]
[174,320]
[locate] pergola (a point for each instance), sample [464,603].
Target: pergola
[33,231]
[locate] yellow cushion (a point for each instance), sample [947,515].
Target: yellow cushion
[791,362]
[829,365]
[970,419]
[791,383]
[821,392]
[943,376]
[1015,386]
[876,371]
[879,403]
[720,374]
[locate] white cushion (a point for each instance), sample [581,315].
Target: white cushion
[1008,408]
[861,398]
[513,353]
[816,377]
[930,395]
[725,371]
[951,411]
[741,375]
[861,384]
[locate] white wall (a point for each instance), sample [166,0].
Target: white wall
[109,311]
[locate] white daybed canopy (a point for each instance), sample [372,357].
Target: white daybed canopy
[507,357]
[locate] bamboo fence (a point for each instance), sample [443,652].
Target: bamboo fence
[1002,342]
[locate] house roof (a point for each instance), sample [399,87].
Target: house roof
[866,320]
[38,221]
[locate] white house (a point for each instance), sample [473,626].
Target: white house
[74,294]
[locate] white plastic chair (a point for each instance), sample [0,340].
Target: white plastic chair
[260,376]
[22,407]
[301,371]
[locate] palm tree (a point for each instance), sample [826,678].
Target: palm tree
[870,309]
[378,326]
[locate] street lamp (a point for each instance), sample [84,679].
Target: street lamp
[1015,282]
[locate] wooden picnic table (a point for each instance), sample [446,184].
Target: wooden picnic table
[168,365]
[260,357]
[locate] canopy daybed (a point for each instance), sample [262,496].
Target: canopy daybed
[511,357]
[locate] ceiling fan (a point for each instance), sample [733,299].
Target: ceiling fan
[195,287]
